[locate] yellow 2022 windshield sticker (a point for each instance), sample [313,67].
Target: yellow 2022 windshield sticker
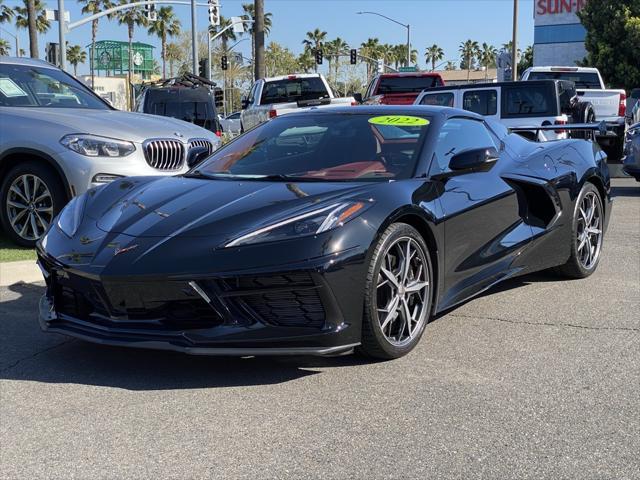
[399,121]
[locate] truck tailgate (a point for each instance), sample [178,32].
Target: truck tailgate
[605,102]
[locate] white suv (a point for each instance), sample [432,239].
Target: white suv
[59,139]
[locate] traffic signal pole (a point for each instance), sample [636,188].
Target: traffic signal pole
[62,25]
[194,39]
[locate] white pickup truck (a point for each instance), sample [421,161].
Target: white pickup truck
[609,104]
[276,96]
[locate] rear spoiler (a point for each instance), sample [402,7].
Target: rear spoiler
[603,128]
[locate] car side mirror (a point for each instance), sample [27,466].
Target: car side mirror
[474,159]
[357,97]
[197,155]
[244,103]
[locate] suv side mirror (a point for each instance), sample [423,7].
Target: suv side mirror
[474,159]
[197,155]
[357,97]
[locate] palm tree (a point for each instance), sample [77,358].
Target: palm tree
[371,50]
[5,48]
[42,24]
[228,35]
[93,7]
[336,47]
[451,65]
[166,25]
[314,41]
[6,13]
[174,54]
[487,58]
[434,54]
[305,61]
[76,55]
[388,53]
[401,54]
[131,17]
[249,14]
[526,60]
[469,51]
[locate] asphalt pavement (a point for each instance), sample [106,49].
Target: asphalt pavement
[539,378]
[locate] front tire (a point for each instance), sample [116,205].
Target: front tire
[31,196]
[586,234]
[397,293]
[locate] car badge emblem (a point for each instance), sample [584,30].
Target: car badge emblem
[118,251]
[178,134]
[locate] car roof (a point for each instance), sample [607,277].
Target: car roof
[429,110]
[561,69]
[478,86]
[408,74]
[31,62]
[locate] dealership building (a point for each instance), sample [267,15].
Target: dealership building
[558,34]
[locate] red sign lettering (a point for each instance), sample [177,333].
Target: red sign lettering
[551,7]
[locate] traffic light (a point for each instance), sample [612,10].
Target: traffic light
[150,12]
[203,68]
[214,13]
[318,56]
[224,64]
[353,56]
[53,53]
[218,97]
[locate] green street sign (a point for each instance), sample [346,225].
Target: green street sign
[408,69]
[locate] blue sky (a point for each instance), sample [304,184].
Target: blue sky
[445,22]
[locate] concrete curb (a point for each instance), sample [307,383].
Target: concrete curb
[24,271]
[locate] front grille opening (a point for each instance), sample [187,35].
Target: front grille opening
[165,154]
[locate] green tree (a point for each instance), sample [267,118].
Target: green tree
[388,54]
[371,49]
[174,54]
[228,35]
[165,25]
[76,55]
[401,54]
[279,60]
[131,17]
[314,41]
[249,14]
[334,48]
[305,62]
[526,60]
[487,57]
[22,21]
[433,54]
[6,13]
[5,48]
[469,51]
[613,40]
[450,65]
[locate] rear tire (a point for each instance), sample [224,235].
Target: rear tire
[398,294]
[31,195]
[586,235]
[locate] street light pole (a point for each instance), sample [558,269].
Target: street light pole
[407,26]
[194,39]
[61,32]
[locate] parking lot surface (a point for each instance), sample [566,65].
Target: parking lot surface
[538,378]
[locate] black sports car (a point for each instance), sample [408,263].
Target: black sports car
[318,232]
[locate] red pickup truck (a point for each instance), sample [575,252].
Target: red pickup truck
[400,88]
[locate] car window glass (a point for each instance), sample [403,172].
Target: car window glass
[293,89]
[458,135]
[444,99]
[528,101]
[482,102]
[581,79]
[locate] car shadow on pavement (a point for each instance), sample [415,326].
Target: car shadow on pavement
[31,355]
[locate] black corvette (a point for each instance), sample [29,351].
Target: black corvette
[318,232]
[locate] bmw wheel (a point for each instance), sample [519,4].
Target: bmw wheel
[398,293]
[31,197]
[587,234]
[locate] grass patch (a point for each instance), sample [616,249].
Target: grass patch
[10,252]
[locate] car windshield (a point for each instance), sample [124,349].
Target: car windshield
[581,79]
[323,147]
[29,86]
[407,84]
[293,90]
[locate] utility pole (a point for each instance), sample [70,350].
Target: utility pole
[258,32]
[514,43]
[194,39]
[62,25]
[33,33]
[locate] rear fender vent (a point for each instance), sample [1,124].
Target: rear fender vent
[536,205]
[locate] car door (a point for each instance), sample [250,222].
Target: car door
[483,228]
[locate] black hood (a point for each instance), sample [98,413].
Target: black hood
[192,207]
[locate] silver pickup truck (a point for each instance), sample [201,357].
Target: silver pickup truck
[609,104]
[276,96]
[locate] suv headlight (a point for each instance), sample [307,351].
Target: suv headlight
[96,146]
[71,216]
[311,223]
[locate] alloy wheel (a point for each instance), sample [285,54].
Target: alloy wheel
[402,291]
[589,231]
[29,206]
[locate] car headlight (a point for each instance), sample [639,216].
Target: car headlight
[96,146]
[311,223]
[71,216]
